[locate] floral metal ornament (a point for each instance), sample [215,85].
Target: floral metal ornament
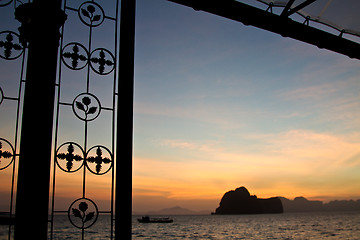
[91,14]
[7,153]
[10,47]
[97,158]
[83,213]
[86,106]
[70,160]
[102,61]
[75,56]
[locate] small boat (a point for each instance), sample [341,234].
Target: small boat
[147,219]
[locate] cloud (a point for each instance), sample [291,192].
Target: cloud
[310,92]
[289,163]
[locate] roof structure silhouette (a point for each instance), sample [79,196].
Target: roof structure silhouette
[329,24]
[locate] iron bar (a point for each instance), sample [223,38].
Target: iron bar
[286,27]
[299,7]
[287,7]
[124,138]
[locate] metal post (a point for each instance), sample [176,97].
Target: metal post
[124,139]
[41,21]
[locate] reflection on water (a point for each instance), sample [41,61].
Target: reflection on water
[290,226]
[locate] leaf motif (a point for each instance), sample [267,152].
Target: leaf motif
[9,37]
[109,63]
[101,69]
[69,165]
[89,216]
[99,151]
[70,148]
[74,63]
[94,60]
[106,160]
[82,58]
[76,213]
[77,158]
[92,110]
[61,156]
[102,54]
[98,167]
[67,54]
[96,18]
[75,48]
[85,13]
[17,46]
[91,159]
[80,106]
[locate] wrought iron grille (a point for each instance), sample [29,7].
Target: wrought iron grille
[12,57]
[85,117]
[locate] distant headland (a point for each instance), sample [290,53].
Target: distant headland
[301,204]
[239,201]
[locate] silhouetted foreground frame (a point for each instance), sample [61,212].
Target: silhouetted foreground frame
[38,84]
[279,24]
[124,139]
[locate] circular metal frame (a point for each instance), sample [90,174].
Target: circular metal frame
[84,106]
[57,153]
[91,8]
[9,41]
[81,213]
[12,153]
[63,53]
[5,4]
[92,61]
[110,164]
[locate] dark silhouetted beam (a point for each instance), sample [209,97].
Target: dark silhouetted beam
[287,8]
[286,27]
[124,134]
[299,7]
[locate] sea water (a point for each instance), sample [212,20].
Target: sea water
[290,226]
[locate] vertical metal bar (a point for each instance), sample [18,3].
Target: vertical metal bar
[16,140]
[113,134]
[124,139]
[57,112]
[41,22]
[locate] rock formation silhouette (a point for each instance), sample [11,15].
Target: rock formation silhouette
[240,201]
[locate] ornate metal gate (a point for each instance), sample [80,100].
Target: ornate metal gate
[86,119]
[12,56]
[78,151]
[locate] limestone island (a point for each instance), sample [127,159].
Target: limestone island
[241,202]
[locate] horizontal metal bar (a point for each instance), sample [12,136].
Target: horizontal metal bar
[67,104]
[106,108]
[11,98]
[286,27]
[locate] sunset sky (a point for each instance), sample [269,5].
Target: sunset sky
[219,105]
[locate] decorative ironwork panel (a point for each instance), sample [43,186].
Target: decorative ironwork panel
[85,121]
[12,62]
